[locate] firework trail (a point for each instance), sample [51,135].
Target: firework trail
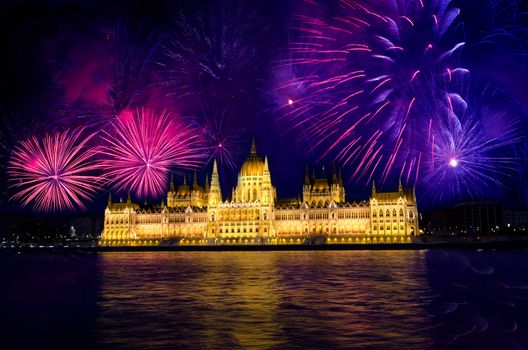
[141,149]
[363,85]
[212,70]
[55,173]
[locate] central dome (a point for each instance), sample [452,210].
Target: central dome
[253,166]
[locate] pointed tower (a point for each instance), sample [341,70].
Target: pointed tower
[206,183]
[172,193]
[129,199]
[373,189]
[171,187]
[307,186]
[109,205]
[253,147]
[195,181]
[215,194]
[338,192]
[267,190]
[400,188]
[340,178]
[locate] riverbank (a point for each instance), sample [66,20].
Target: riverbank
[521,243]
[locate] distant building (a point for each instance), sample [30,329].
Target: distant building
[197,215]
[468,218]
[516,218]
[481,217]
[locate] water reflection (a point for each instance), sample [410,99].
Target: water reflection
[263,300]
[451,299]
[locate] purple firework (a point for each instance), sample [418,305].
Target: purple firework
[363,85]
[142,148]
[55,173]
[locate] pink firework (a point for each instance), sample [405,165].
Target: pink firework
[142,148]
[55,173]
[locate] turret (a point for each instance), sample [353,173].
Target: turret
[195,181]
[171,188]
[266,167]
[109,205]
[215,194]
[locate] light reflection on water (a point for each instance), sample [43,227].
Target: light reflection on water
[263,299]
[451,299]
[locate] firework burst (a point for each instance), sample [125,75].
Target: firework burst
[55,173]
[212,66]
[142,148]
[363,85]
[465,161]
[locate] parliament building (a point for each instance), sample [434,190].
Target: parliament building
[198,215]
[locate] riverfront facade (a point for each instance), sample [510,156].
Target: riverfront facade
[198,215]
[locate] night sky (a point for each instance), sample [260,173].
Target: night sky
[220,68]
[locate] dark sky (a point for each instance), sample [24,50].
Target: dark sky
[50,49]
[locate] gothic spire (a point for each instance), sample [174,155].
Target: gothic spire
[334,174]
[172,183]
[195,181]
[253,147]
[266,166]
[306,176]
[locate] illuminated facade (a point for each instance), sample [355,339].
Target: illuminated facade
[197,215]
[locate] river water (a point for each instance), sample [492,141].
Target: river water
[453,299]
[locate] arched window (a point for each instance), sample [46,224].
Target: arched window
[394,212]
[212,217]
[401,212]
[387,214]
[411,214]
[265,216]
[374,214]
[381,213]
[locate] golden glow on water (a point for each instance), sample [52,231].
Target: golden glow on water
[262,299]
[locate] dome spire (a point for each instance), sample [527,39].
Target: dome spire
[253,147]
